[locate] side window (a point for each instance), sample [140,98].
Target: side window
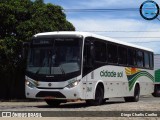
[112,53]
[100,51]
[131,57]
[122,55]
[87,59]
[139,58]
[151,61]
[146,60]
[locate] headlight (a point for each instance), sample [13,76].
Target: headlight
[73,84]
[31,84]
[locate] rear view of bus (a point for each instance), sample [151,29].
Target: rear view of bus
[54,67]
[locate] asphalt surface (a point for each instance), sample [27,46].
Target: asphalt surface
[81,105]
[111,110]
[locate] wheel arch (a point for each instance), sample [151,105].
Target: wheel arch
[137,84]
[101,83]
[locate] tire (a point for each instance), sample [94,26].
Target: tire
[99,97]
[135,98]
[156,91]
[53,103]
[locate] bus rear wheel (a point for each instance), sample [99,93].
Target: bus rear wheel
[135,98]
[156,90]
[53,103]
[99,97]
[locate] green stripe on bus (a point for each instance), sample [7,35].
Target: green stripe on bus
[135,77]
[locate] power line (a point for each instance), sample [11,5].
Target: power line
[104,10]
[120,31]
[100,10]
[145,42]
[130,36]
[138,37]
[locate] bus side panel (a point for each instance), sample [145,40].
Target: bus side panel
[90,86]
[157,75]
[114,80]
[119,81]
[157,68]
[146,82]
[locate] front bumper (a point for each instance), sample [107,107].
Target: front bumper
[60,93]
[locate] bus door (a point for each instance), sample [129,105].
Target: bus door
[88,67]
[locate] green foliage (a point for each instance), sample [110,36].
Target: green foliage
[20,20]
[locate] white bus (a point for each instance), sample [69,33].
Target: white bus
[64,66]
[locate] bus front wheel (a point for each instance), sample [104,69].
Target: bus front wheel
[53,103]
[135,98]
[99,97]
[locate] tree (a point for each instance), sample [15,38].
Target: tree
[20,20]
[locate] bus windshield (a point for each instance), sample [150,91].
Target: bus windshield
[54,56]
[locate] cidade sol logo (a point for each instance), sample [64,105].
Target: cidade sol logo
[106,73]
[149,10]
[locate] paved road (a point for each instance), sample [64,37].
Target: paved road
[146,103]
[115,104]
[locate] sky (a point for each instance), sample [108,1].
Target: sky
[116,24]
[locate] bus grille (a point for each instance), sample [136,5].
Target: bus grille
[50,93]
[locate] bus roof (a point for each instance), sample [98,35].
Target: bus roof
[87,34]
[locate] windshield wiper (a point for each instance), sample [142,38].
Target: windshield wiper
[62,69]
[39,69]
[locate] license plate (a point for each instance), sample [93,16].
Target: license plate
[50,97]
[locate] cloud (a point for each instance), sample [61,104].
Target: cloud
[102,24]
[73,4]
[113,21]
[86,24]
[108,3]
